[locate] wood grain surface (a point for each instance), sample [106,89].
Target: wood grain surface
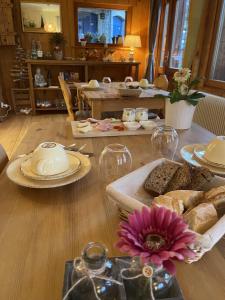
[41,229]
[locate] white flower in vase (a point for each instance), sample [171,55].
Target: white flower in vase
[182,75]
[183,89]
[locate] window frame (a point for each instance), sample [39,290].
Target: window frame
[216,10]
[103,6]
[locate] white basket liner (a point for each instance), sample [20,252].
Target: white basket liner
[129,194]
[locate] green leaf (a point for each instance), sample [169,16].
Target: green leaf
[196,95]
[192,102]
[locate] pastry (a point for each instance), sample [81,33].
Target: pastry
[170,203]
[190,198]
[217,193]
[159,178]
[181,179]
[199,177]
[201,217]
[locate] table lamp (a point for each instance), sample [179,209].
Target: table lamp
[132,41]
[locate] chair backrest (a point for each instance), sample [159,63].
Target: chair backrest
[68,98]
[210,114]
[3,158]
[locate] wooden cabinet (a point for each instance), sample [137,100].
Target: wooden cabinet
[7,34]
[50,98]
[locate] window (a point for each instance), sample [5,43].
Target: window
[164,35]
[172,35]
[218,60]
[98,25]
[180,30]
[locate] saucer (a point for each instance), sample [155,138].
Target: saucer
[199,152]
[74,165]
[14,174]
[187,153]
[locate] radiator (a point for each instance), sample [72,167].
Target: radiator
[210,114]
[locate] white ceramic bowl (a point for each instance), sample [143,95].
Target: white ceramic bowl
[148,124]
[215,150]
[126,92]
[49,159]
[132,125]
[93,84]
[144,83]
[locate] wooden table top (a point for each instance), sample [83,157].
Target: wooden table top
[41,229]
[111,93]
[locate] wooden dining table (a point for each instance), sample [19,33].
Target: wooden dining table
[40,229]
[108,99]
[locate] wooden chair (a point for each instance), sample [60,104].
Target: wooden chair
[68,98]
[3,158]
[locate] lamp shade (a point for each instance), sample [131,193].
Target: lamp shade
[133,41]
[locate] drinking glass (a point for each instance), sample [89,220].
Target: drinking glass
[115,161]
[94,256]
[128,114]
[165,141]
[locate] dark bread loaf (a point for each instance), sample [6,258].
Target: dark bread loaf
[199,177]
[159,178]
[181,179]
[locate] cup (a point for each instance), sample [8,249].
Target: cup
[49,159]
[143,83]
[128,115]
[215,150]
[93,83]
[141,114]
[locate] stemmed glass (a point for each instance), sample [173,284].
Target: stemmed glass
[106,82]
[115,161]
[165,141]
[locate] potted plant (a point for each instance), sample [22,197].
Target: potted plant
[88,37]
[57,39]
[181,101]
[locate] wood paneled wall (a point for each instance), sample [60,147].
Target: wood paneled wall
[139,25]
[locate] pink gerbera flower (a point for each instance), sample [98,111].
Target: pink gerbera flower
[157,235]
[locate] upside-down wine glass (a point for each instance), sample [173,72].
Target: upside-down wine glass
[115,161]
[164,142]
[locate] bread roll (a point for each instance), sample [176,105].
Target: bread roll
[201,217]
[170,203]
[190,198]
[216,195]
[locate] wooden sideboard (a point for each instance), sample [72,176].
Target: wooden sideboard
[86,69]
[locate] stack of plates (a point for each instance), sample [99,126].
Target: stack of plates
[195,155]
[20,172]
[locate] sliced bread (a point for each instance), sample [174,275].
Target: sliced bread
[181,179]
[159,178]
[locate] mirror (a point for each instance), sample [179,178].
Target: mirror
[40,17]
[100,25]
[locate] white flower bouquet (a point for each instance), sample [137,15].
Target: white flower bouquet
[183,84]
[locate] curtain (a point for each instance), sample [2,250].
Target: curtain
[155,7]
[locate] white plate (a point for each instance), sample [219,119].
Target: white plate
[199,152]
[74,165]
[14,174]
[187,153]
